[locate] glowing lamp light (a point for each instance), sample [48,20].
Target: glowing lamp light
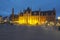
[58,17]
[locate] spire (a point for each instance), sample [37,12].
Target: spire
[12,10]
[39,9]
[54,10]
[28,9]
[12,14]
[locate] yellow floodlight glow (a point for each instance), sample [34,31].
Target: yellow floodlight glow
[31,20]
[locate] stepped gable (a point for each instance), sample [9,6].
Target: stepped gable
[35,12]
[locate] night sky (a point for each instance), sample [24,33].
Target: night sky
[20,5]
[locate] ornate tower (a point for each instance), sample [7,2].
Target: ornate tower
[28,12]
[12,15]
[39,16]
[12,12]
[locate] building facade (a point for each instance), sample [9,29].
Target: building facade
[36,17]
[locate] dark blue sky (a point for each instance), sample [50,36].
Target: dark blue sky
[20,5]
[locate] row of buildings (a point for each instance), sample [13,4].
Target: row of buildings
[34,17]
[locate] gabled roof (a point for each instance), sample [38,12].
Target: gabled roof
[21,14]
[44,12]
[47,11]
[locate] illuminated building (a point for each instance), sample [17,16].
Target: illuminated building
[35,17]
